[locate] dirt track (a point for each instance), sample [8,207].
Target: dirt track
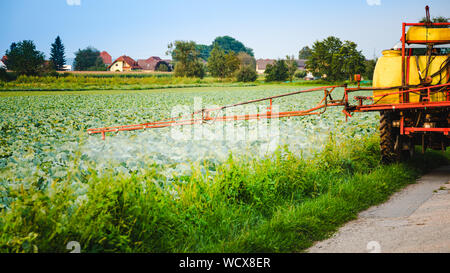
[416,219]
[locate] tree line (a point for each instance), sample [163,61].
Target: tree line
[226,57]
[24,59]
[330,59]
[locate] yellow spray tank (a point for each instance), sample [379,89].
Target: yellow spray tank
[431,35]
[388,70]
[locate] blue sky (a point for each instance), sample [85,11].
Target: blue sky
[273,28]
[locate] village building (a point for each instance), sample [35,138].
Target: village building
[309,77]
[107,60]
[67,67]
[124,63]
[261,65]
[153,64]
[3,62]
[301,64]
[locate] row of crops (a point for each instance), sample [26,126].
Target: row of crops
[43,137]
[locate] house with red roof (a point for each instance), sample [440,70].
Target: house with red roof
[153,63]
[3,62]
[124,63]
[107,60]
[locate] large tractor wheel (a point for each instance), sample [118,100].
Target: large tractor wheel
[389,139]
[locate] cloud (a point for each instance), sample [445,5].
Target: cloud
[373,2]
[77,2]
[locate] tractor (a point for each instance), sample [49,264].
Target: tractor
[411,91]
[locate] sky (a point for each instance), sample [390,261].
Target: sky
[272,28]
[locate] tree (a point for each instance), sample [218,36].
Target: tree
[292,67]
[304,53]
[324,59]
[186,57]
[88,59]
[205,51]
[279,71]
[246,74]
[3,74]
[246,60]
[195,70]
[232,63]
[335,60]
[24,59]
[216,62]
[300,74]
[222,65]
[99,65]
[353,61]
[369,68]
[229,44]
[162,67]
[57,54]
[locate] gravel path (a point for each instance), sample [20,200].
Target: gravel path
[416,219]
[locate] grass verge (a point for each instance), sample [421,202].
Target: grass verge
[83,82]
[279,204]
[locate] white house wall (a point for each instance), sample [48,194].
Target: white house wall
[117,66]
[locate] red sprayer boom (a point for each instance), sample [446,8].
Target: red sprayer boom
[326,101]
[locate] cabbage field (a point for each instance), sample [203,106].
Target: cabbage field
[42,133]
[244,186]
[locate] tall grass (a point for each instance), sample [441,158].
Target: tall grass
[279,204]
